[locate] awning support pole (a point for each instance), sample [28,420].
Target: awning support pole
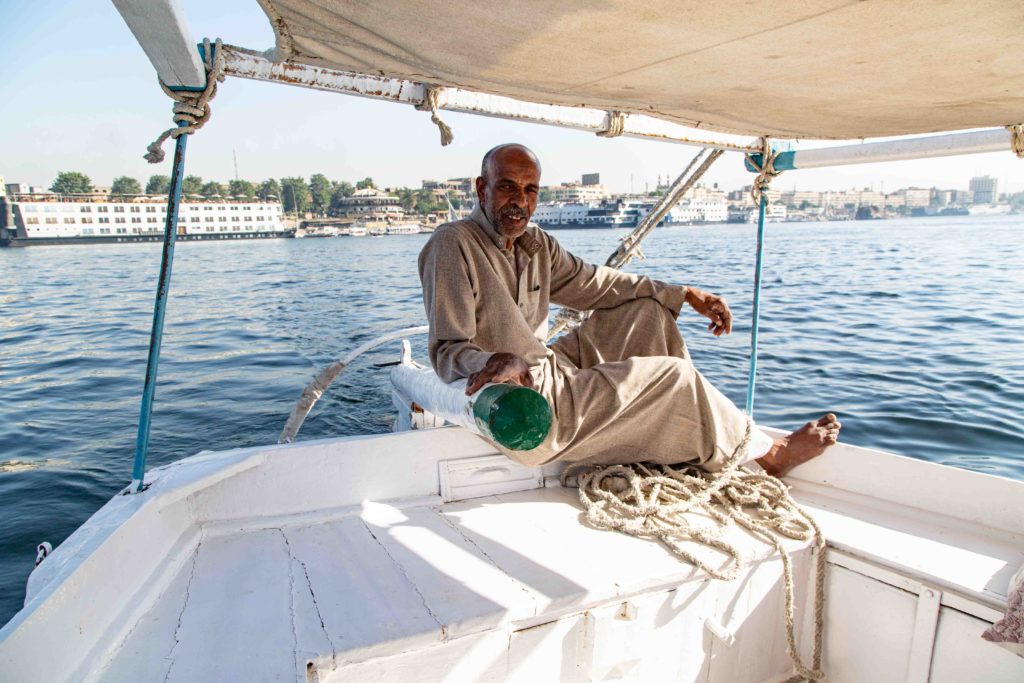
[755,316]
[159,309]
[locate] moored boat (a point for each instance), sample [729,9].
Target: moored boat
[49,219]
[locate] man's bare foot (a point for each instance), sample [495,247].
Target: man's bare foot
[808,442]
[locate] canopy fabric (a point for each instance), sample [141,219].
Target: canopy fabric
[830,69]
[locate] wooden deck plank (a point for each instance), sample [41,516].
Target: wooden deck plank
[368,606]
[463,588]
[237,620]
[541,539]
[145,653]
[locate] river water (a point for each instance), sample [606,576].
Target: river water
[912,331]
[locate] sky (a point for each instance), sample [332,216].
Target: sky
[80,95]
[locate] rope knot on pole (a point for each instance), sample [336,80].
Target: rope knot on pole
[430,103]
[765,170]
[1017,130]
[191,108]
[616,125]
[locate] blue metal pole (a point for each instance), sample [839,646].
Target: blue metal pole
[751,379]
[156,335]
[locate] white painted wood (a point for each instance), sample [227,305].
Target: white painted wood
[674,636]
[751,610]
[480,658]
[365,601]
[149,643]
[161,30]
[612,643]
[493,565]
[925,621]
[485,475]
[547,652]
[236,620]
[337,473]
[870,627]
[985,501]
[461,587]
[943,551]
[961,654]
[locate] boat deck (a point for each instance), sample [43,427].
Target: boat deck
[272,563]
[278,603]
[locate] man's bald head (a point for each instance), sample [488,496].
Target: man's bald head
[508,187]
[501,152]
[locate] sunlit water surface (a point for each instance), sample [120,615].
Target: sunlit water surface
[912,331]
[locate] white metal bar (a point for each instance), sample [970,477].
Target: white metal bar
[974,142]
[159,27]
[247,64]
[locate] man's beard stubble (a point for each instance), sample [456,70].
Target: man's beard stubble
[507,212]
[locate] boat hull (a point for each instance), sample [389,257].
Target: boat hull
[340,558]
[12,241]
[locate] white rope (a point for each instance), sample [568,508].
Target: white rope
[191,108]
[616,124]
[655,501]
[1018,139]
[430,104]
[765,170]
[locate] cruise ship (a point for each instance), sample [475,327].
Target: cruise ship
[623,213]
[44,219]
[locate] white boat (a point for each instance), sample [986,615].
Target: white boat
[424,555]
[357,231]
[49,219]
[404,228]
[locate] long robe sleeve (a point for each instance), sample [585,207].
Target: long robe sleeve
[585,286]
[448,296]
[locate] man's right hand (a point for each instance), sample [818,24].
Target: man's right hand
[501,368]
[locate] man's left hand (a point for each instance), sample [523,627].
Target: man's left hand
[713,307]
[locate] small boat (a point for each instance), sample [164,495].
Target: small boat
[425,554]
[404,228]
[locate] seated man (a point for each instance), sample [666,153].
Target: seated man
[621,387]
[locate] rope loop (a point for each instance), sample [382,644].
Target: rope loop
[191,108]
[616,124]
[429,103]
[765,170]
[653,501]
[1018,139]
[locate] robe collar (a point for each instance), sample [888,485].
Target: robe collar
[527,242]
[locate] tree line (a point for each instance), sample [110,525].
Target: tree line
[318,195]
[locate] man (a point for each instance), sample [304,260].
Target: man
[621,387]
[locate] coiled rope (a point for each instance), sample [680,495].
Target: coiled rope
[655,501]
[1017,130]
[191,108]
[765,167]
[429,103]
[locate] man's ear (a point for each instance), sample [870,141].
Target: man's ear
[481,185]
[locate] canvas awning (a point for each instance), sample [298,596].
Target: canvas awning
[831,69]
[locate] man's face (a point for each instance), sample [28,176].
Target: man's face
[508,193]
